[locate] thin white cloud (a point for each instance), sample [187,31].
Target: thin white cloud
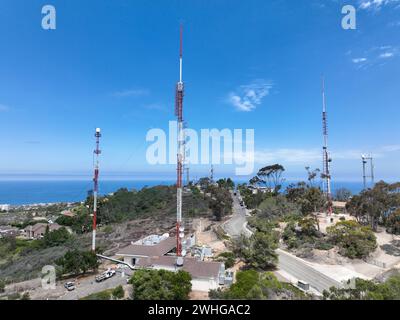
[359,60]
[376,5]
[375,56]
[314,156]
[131,93]
[386,55]
[247,97]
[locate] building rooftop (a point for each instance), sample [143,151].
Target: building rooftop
[198,269]
[339,204]
[154,250]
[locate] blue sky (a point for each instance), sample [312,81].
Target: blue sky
[114,65]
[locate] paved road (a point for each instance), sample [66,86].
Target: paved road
[299,269]
[236,226]
[295,267]
[88,286]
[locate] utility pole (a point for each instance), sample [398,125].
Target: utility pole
[97,152]
[326,156]
[180,157]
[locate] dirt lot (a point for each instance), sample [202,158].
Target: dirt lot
[206,236]
[385,257]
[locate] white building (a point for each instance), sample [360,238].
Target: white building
[158,253]
[4,207]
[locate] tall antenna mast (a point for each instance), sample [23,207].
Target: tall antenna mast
[326,156]
[181,140]
[97,152]
[364,163]
[365,159]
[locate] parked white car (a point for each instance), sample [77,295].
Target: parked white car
[70,286]
[105,275]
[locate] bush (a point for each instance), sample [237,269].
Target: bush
[324,245]
[118,292]
[252,285]
[102,295]
[77,262]
[56,237]
[161,285]
[393,222]
[354,240]
[26,296]
[367,290]
[228,258]
[258,252]
[2,286]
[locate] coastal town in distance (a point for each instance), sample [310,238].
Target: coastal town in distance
[206,152]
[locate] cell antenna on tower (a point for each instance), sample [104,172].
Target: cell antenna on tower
[97,152]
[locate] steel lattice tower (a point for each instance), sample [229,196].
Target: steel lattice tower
[326,174]
[97,152]
[180,156]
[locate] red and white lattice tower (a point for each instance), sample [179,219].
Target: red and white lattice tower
[180,157]
[95,186]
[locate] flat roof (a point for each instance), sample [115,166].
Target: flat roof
[198,269]
[159,249]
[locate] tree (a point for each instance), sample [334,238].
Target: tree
[56,237]
[310,199]
[354,240]
[2,286]
[367,290]
[204,183]
[272,176]
[343,194]
[226,184]
[161,285]
[392,222]
[78,262]
[118,292]
[312,174]
[304,235]
[252,285]
[255,181]
[370,206]
[221,202]
[277,207]
[258,252]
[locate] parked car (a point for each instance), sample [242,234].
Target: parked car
[70,286]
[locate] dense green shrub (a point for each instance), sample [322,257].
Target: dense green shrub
[161,285]
[354,240]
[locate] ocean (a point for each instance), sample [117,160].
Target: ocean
[20,192]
